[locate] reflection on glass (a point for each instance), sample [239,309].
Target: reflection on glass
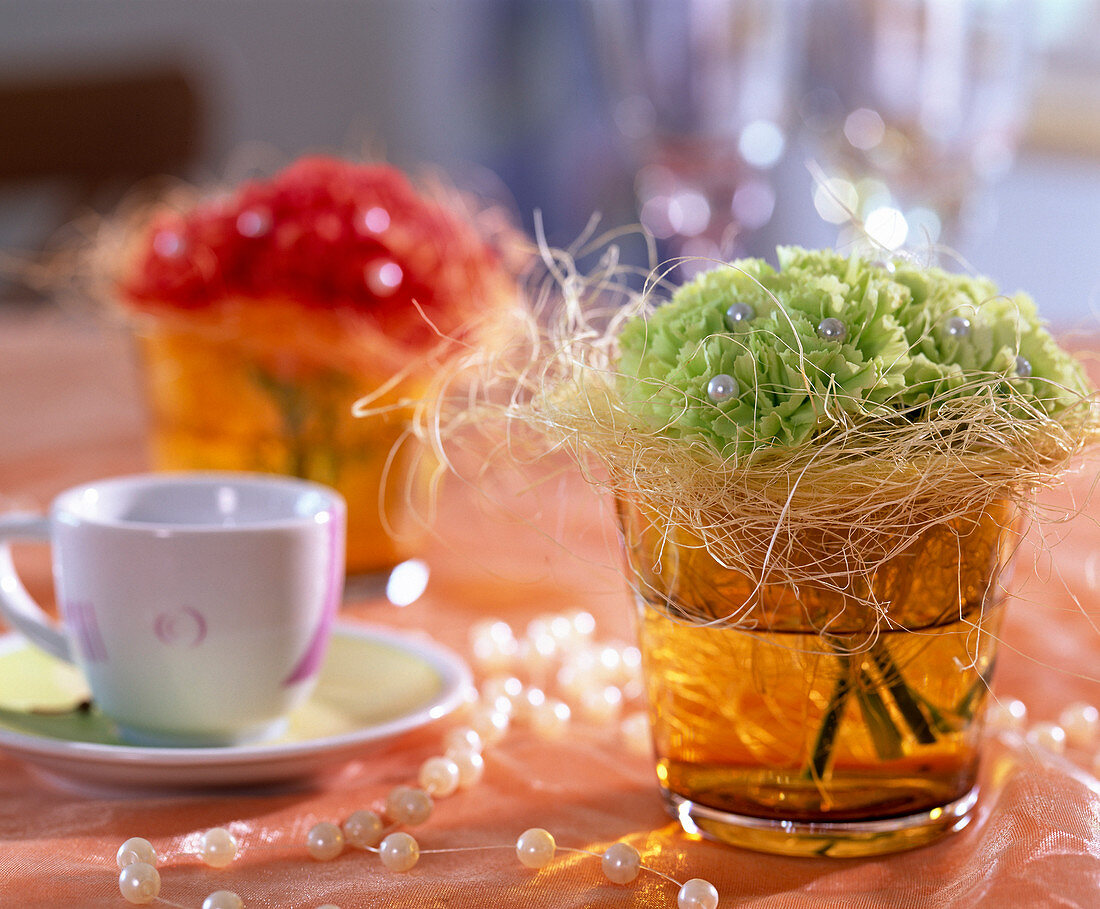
[700,94]
[913,105]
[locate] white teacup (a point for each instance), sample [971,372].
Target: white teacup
[197,605]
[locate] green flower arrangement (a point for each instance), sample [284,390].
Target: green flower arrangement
[801,424]
[826,343]
[820,471]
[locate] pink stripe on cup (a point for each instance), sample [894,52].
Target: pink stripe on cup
[315,652]
[81,616]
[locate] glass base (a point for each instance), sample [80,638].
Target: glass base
[836,839]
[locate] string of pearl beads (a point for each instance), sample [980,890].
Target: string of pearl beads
[557,653]
[1076,731]
[398,851]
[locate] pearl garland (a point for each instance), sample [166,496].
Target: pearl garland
[559,657]
[558,654]
[1077,727]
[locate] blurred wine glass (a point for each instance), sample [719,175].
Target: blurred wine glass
[911,108]
[701,92]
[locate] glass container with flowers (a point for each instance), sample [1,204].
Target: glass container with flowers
[264,314]
[821,473]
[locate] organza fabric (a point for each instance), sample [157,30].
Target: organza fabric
[1035,841]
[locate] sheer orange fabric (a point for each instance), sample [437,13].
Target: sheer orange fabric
[1036,841]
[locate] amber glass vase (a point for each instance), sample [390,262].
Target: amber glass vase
[272,390]
[811,725]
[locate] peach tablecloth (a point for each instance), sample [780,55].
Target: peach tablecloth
[70,411]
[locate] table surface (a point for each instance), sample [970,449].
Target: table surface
[71,410]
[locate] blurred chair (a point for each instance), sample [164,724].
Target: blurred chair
[87,138]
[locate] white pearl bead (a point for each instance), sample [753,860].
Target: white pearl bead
[620,863]
[139,883]
[535,847]
[578,676]
[500,704]
[219,847]
[363,829]
[169,244]
[134,850]
[560,627]
[537,655]
[551,719]
[1023,367]
[407,805]
[470,763]
[636,734]
[530,703]
[620,662]
[325,841]
[399,852]
[463,737]
[697,894]
[630,664]
[722,387]
[958,327]
[493,644]
[611,661]
[438,776]
[223,899]
[584,624]
[602,705]
[254,222]
[501,692]
[490,724]
[383,277]
[1049,736]
[540,625]
[469,695]
[739,315]
[374,220]
[1082,724]
[831,329]
[555,632]
[1009,715]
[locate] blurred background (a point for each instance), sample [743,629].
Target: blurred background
[724,127]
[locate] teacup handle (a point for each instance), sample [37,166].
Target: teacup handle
[16,605]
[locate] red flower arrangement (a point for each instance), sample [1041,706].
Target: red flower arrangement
[264,314]
[324,233]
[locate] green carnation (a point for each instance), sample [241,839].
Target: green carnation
[911,340]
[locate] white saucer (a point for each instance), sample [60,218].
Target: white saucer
[374,685]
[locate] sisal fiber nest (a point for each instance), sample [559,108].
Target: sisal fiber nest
[904,450]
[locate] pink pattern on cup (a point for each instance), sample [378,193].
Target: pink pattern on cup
[81,616]
[185,627]
[310,662]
